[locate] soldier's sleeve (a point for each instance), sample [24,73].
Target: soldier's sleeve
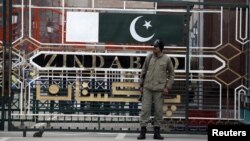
[171,74]
[143,71]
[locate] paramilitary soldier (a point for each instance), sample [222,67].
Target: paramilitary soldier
[157,77]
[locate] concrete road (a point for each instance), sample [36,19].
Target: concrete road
[72,136]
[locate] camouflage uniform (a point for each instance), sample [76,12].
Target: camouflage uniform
[157,74]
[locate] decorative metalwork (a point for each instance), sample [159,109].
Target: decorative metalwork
[86,87]
[243,39]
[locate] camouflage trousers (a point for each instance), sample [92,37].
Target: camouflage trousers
[149,98]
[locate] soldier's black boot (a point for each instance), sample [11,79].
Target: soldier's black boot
[157,133]
[142,135]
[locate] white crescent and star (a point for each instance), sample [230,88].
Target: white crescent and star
[135,35]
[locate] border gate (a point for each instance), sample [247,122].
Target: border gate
[51,80]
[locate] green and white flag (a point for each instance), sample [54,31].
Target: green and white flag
[124,28]
[82,27]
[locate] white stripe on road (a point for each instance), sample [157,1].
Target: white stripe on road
[120,136]
[4,139]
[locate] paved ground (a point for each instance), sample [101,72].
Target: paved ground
[69,136]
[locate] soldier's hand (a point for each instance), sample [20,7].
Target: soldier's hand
[141,90]
[165,91]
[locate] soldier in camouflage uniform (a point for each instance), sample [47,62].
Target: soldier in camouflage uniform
[157,78]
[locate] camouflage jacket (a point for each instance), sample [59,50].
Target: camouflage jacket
[157,73]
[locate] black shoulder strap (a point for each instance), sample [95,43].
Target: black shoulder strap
[149,60]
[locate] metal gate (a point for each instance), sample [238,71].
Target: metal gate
[51,81]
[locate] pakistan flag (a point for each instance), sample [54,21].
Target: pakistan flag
[124,28]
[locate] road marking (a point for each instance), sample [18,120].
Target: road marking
[120,136]
[4,139]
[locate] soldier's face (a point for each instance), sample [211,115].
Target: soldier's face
[156,50]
